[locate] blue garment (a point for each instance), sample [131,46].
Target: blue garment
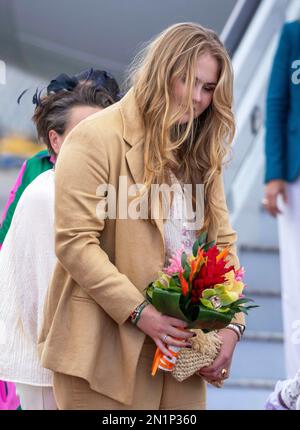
[283,108]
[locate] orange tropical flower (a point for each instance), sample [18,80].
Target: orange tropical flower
[184,284]
[195,264]
[223,254]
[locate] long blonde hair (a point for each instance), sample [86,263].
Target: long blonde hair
[194,151]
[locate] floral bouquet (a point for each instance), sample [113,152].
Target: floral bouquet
[200,289]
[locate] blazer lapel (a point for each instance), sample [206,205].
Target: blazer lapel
[135,162]
[133,134]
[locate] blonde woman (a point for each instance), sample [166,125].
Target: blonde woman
[175,123]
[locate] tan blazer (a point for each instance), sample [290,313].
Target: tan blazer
[103,267]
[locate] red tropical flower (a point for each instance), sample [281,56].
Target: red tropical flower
[211,273]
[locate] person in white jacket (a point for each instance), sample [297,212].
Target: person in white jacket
[286,395]
[27,258]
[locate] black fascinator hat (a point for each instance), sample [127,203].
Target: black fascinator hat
[100,79]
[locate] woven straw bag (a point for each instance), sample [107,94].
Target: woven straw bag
[205,348]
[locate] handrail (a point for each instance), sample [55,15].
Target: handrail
[251,63]
[238,23]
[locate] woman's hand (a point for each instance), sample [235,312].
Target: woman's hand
[163,329]
[272,190]
[213,373]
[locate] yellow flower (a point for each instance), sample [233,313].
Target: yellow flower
[233,284]
[231,290]
[228,292]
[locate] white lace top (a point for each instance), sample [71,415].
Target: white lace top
[176,232]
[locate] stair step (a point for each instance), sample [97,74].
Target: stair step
[257,228]
[260,384]
[237,398]
[259,248]
[263,336]
[257,360]
[267,318]
[266,293]
[262,271]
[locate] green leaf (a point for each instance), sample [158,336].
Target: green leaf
[228,298]
[220,288]
[176,279]
[207,303]
[225,310]
[209,292]
[195,248]
[174,284]
[202,239]
[175,289]
[168,303]
[183,260]
[185,302]
[243,300]
[237,309]
[208,245]
[158,284]
[186,273]
[149,292]
[210,319]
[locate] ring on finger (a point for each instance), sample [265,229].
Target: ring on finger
[164,338]
[224,373]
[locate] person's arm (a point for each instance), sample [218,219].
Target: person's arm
[277,108]
[278,101]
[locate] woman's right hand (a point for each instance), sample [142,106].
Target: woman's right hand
[163,329]
[272,190]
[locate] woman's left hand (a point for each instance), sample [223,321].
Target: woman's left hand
[215,372]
